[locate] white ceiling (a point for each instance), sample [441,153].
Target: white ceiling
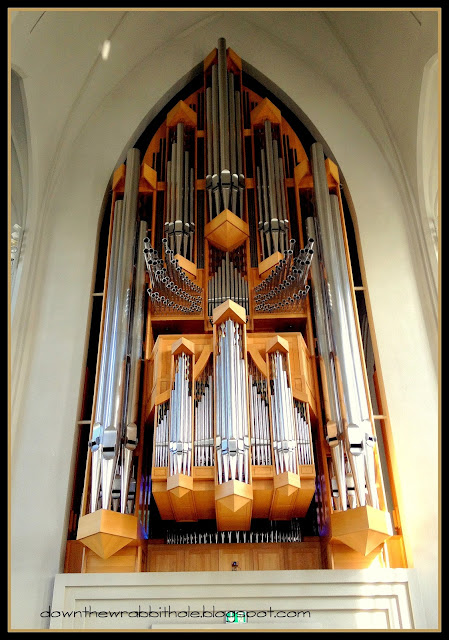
[373,58]
[390,49]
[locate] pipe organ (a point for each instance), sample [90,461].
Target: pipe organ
[231,399]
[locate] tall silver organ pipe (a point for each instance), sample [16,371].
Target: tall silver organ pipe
[359,407]
[119,367]
[135,351]
[225,180]
[180,215]
[107,343]
[339,321]
[303,439]
[122,310]
[162,420]
[209,158]
[223,111]
[204,420]
[273,221]
[358,431]
[260,419]
[282,415]
[227,283]
[327,352]
[232,441]
[180,452]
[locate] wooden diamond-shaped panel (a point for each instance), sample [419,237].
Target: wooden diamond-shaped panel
[105,544]
[233,506]
[286,486]
[226,231]
[362,529]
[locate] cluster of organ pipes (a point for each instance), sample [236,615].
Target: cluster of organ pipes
[181,410]
[170,290]
[282,415]
[180,214]
[232,441]
[114,433]
[260,419]
[227,283]
[161,441]
[204,419]
[292,436]
[231,416]
[116,491]
[225,180]
[273,222]
[350,488]
[302,421]
[350,435]
[285,288]
[291,533]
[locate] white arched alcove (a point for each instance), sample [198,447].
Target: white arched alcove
[19,179]
[44,442]
[428,156]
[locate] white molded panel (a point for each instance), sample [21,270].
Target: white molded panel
[322,599]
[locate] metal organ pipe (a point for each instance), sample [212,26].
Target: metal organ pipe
[285,287]
[339,321]
[239,135]
[273,221]
[105,362]
[135,351]
[302,423]
[172,191]
[232,142]
[260,421]
[223,106]
[225,179]
[230,415]
[162,436]
[179,183]
[232,442]
[209,152]
[181,418]
[180,224]
[326,351]
[170,288]
[341,315]
[359,384]
[122,309]
[203,437]
[282,415]
[215,131]
[114,436]
[266,223]
[277,532]
[227,283]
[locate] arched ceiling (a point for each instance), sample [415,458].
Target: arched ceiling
[373,58]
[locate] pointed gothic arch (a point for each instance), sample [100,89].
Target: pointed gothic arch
[157,186]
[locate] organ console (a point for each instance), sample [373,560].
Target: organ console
[231,401]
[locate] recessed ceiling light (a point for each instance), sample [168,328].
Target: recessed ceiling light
[105,49]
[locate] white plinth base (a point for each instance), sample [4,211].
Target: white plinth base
[324,599]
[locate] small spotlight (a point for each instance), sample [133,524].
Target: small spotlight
[105,49]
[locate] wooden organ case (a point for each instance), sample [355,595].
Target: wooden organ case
[231,423]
